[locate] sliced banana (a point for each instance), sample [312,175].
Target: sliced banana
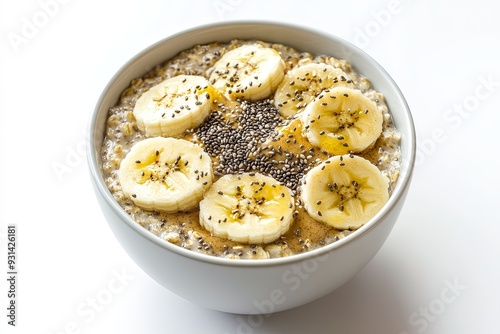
[342,120]
[165,174]
[250,72]
[303,83]
[174,106]
[250,208]
[344,191]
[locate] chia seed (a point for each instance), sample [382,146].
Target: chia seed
[235,138]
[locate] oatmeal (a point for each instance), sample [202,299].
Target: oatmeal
[262,135]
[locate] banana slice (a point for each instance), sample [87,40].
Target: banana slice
[344,191]
[250,72]
[250,208]
[303,83]
[165,174]
[342,120]
[174,105]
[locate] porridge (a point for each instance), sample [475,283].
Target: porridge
[250,150]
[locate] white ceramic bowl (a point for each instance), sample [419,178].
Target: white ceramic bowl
[253,286]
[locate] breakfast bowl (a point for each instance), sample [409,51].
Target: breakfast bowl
[242,285]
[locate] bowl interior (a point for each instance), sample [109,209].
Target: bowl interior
[300,38]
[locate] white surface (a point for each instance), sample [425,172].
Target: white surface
[68,260]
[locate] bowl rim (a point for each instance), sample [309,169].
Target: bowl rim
[398,191]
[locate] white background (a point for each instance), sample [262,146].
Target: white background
[445,58]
